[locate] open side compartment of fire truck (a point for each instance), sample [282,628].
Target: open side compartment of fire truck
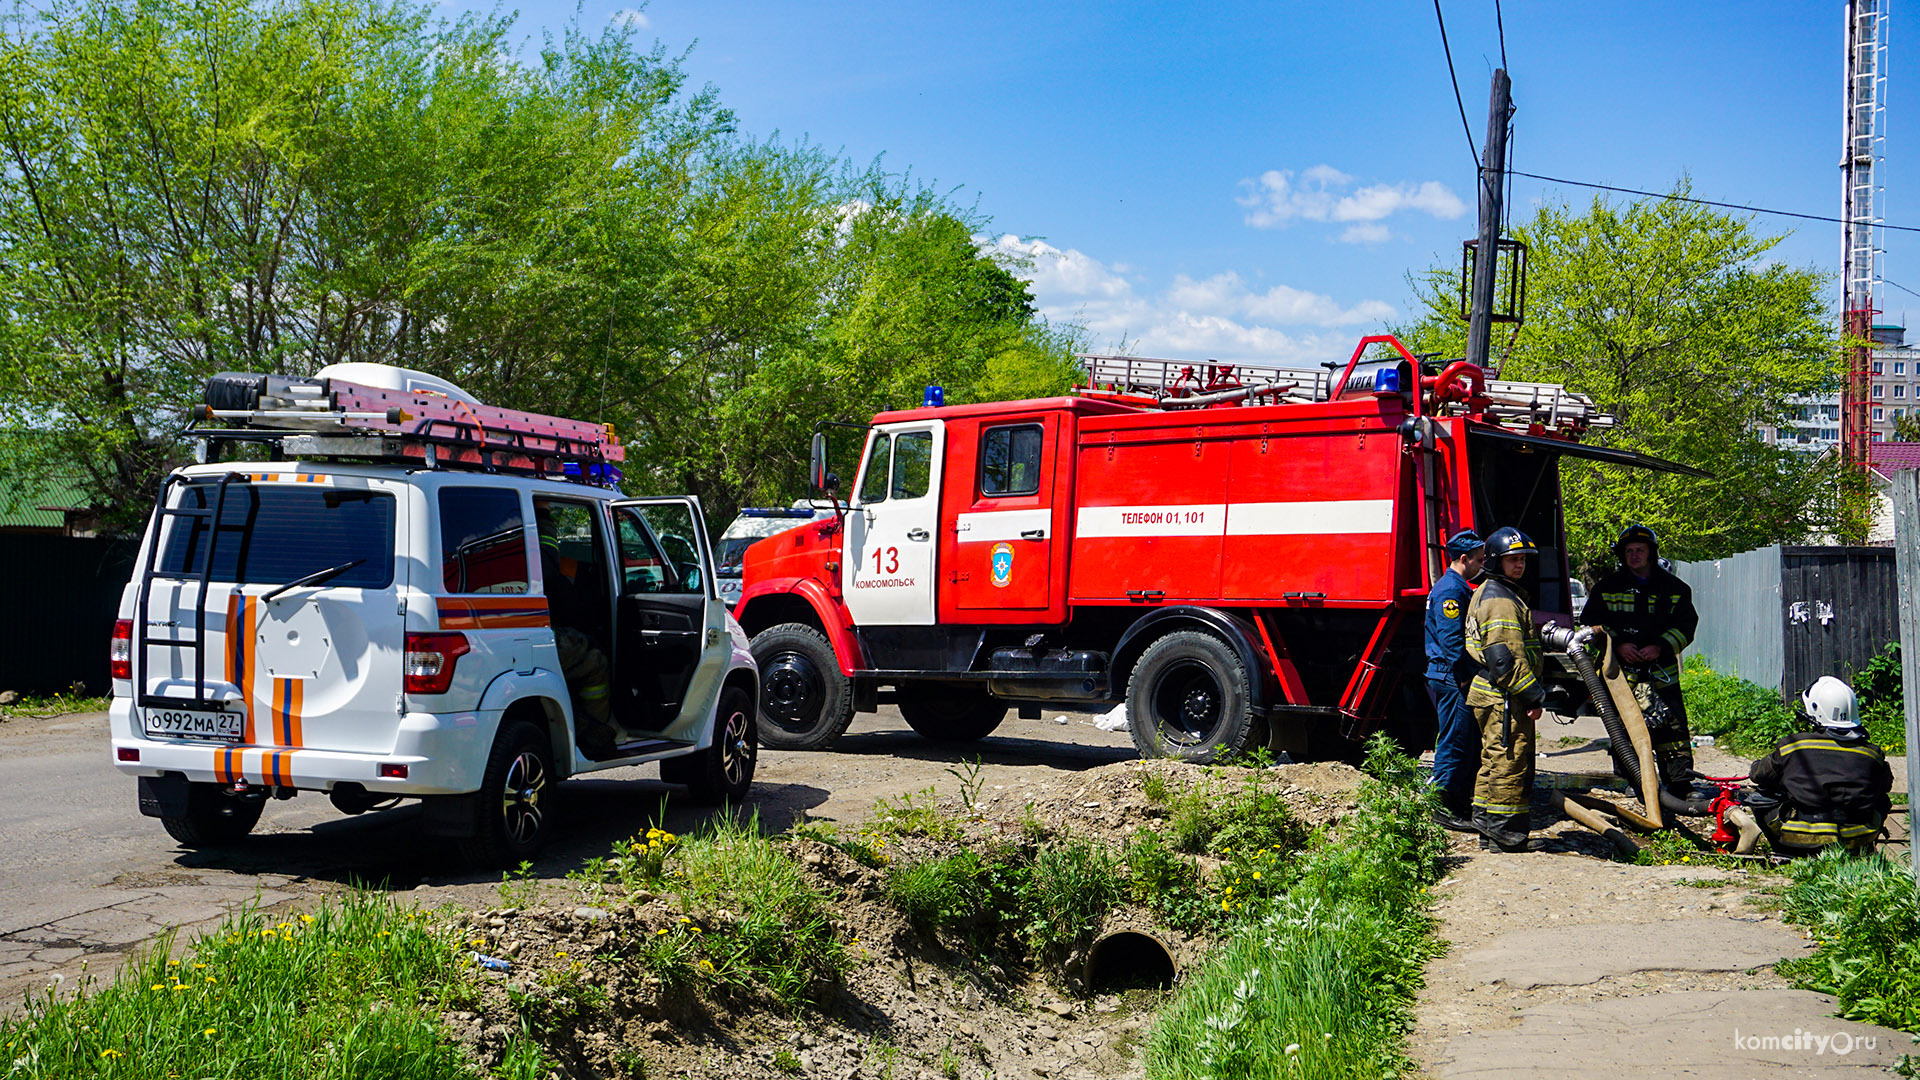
[1240,554]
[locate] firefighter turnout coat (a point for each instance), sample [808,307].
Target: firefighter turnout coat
[1657,611]
[1831,789]
[1500,637]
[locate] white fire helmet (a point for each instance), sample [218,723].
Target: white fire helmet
[1830,704]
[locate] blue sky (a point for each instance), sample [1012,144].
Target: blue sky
[1257,180]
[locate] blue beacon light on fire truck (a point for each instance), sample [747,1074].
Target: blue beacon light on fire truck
[936,397]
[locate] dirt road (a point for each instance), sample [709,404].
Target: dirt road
[87,878]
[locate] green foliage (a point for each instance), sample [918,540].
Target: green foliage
[944,892]
[1203,818]
[1323,984]
[1882,692]
[761,926]
[350,990]
[275,185]
[1674,318]
[46,707]
[912,814]
[1071,888]
[1865,921]
[1742,717]
[1167,882]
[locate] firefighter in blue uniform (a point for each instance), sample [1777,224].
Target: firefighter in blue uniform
[1456,752]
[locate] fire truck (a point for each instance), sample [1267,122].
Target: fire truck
[1239,553]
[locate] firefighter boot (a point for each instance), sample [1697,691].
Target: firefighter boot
[1456,812]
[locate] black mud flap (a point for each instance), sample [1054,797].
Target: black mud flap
[163,796]
[449,815]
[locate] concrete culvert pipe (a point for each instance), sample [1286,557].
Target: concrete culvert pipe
[1129,960]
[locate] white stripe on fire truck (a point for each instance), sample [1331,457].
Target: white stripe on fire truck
[1303,518]
[983,525]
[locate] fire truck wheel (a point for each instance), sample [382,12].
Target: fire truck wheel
[1190,698]
[805,702]
[950,714]
[724,771]
[214,818]
[513,811]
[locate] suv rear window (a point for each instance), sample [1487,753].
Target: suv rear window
[273,533]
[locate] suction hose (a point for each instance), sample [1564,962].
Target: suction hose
[1619,743]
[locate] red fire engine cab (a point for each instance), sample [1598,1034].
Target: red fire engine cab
[1239,553]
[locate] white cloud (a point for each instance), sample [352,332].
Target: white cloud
[1217,317]
[632,18]
[1275,199]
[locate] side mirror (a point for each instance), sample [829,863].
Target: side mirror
[819,477]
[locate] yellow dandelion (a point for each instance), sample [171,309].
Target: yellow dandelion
[210,1031]
[560,955]
[178,986]
[199,967]
[1256,875]
[159,986]
[1224,906]
[706,965]
[173,963]
[386,933]
[309,918]
[111,1054]
[477,942]
[266,933]
[212,979]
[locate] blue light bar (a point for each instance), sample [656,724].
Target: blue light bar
[600,472]
[774,512]
[936,397]
[1386,380]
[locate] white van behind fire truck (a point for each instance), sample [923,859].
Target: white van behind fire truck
[378,612]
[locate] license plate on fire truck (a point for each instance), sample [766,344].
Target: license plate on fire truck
[195,724]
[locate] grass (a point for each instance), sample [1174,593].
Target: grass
[48,706]
[1743,718]
[1321,984]
[1865,921]
[755,922]
[1749,719]
[347,991]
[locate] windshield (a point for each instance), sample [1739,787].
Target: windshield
[273,533]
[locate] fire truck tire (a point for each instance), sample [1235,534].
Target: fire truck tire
[722,772]
[213,818]
[513,811]
[1190,698]
[805,702]
[950,714]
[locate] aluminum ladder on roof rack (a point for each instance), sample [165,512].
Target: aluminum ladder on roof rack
[1525,403]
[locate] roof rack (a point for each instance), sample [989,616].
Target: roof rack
[1188,383]
[393,414]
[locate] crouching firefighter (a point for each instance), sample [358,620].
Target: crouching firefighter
[1648,612]
[1506,693]
[1820,787]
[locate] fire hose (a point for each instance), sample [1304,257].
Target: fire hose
[1629,741]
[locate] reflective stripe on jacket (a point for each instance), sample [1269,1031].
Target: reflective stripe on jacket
[1658,612]
[1500,615]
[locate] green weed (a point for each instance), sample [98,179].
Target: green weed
[346,991]
[1742,717]
[1166,881]
[968,774]
[518,887]
[1071,888]
[912,814]
[786,1061]
[48,706]
[1323,983]
[945,892]
[1865,922]
[1880,686]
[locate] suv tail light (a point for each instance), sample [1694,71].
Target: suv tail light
[430,660]
[120,650]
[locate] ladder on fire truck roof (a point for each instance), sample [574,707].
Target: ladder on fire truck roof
[1178,383]
[381,413]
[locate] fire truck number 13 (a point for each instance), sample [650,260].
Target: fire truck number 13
[886,560]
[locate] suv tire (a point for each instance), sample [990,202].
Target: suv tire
[722,772]
[512,811]
[805,702]
[214,818]
[1190,698]
[945,713]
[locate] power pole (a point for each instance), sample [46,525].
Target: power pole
[1486,253]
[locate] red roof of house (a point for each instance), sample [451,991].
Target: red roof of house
[1886,458]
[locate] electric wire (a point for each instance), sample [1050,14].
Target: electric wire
[1457,99]
[1502,24]
[1889,281]
[1707,202]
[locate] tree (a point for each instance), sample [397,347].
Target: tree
[1906,428]
[280,185]
[1671,317]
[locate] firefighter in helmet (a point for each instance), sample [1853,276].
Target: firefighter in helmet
[582,662]
[1456,750]
[1648,612]
[1506,692]
[1826,786]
